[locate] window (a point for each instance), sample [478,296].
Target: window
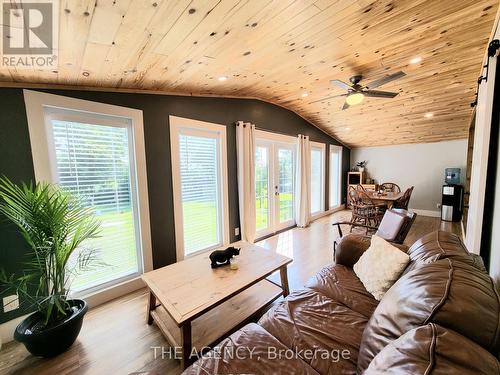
[93,161]
[96,151]
[335,176]
[317,178]
[274,182]
[262,187]
[286,156]
[200,194]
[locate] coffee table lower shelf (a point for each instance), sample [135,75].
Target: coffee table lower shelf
[221,320]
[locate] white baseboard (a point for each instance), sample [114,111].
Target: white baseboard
[328,212]
[116,291]
[426,212]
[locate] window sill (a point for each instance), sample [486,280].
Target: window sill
[107,294]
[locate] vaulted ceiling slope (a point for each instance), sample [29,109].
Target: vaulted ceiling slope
[279,51]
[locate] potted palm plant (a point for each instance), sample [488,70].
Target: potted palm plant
[361,165]
[55,225]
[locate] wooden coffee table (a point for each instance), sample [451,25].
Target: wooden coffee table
[195,306]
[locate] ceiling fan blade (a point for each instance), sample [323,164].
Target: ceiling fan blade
[345,106]
[386,79]
[380,94]
[328,97]
[340,84]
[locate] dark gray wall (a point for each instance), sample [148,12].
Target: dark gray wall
[16,160]
[15,163]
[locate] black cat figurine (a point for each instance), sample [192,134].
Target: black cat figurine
[221,257]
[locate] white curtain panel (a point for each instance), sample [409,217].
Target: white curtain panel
[303,182]
[245,148]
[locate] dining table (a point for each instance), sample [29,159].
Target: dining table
[387,198]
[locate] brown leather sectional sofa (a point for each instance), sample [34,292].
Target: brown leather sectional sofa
[441,317]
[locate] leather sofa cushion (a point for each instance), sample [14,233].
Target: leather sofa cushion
[447,292]
[441,245]
[310,321]
[433,349]
[341,284]
[251,350]
[350,248]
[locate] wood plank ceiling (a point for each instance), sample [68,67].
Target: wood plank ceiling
[279,50]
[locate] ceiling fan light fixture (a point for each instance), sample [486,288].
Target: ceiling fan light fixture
[355,98]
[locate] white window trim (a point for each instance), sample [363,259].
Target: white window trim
[177,123]
[334,149]
[322,146]
[270,136]
[36,105]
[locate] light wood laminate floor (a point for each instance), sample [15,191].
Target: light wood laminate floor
[116,340]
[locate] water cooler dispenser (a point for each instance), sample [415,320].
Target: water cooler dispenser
[452,199]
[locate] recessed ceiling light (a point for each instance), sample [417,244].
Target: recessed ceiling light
[416,60]
[347,128]
[222,78]
[429,114]
[304,94]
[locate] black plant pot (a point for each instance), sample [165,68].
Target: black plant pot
[53,340]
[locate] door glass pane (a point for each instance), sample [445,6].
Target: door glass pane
[285,162]
[316,180]
[93,162]
[334,179]
[200,192]
[261,187]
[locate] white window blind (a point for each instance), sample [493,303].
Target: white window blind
[200,190]
[317,178]
[94,162]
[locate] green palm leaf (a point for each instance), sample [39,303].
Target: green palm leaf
[54,224]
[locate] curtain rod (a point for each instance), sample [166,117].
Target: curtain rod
[272,131]
[287,134]
[276,132]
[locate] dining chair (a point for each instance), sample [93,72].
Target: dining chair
[364,210]
[360,187]
[390,186]
[393,228]
[404,200]
[367,197]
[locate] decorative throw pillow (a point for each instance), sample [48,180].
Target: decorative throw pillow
[380,266]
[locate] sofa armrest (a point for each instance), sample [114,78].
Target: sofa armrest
[350,248]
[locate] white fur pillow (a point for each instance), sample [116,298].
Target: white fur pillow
[380,266]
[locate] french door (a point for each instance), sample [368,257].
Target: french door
[274,186]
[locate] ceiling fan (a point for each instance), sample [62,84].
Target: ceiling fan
[356,92]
